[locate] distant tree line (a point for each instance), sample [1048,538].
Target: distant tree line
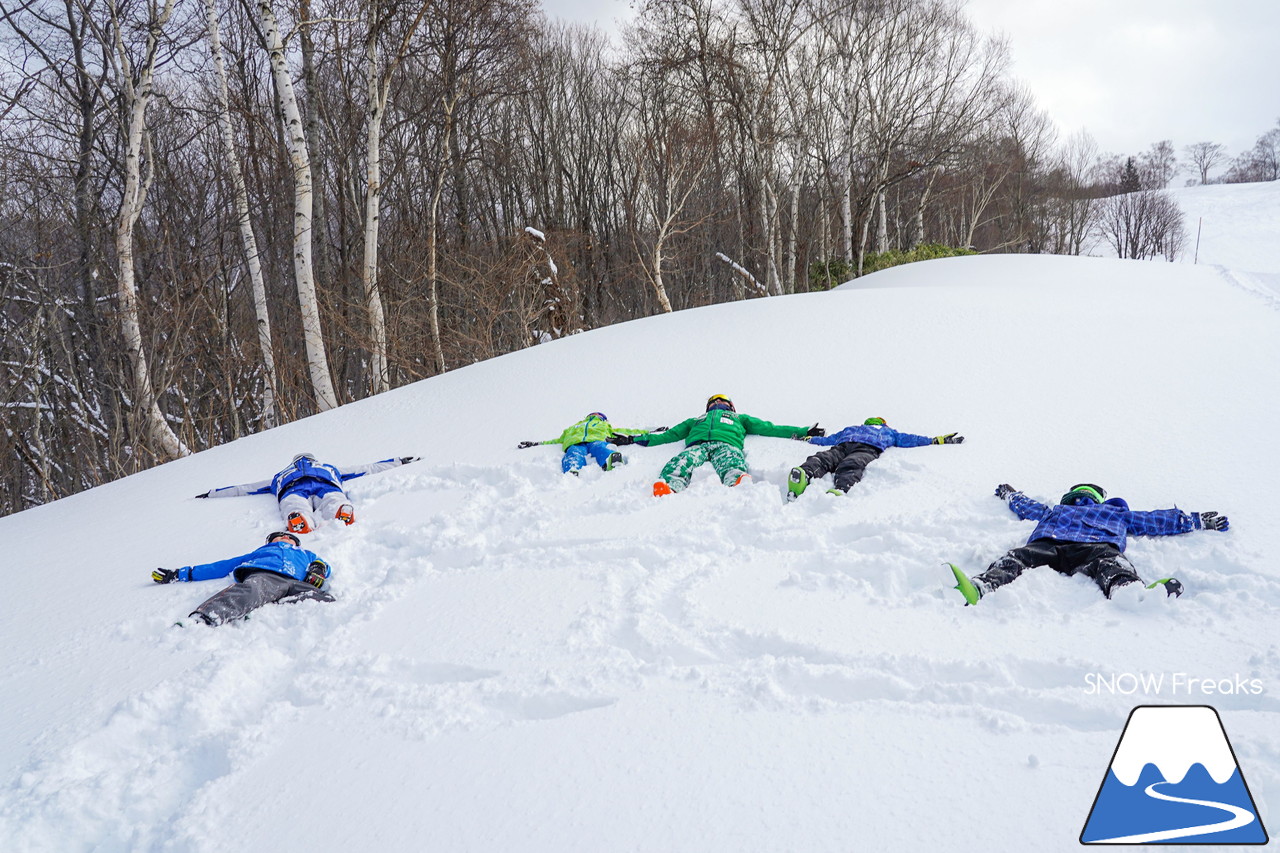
[224,216]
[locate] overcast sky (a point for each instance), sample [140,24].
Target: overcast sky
[1131,72]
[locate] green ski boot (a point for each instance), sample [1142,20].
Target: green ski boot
[1172,586]
[797,482]
[967,587]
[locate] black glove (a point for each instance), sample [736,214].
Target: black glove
[525,445]
[317,573]
[816,431]
[1210,521]
[405,460]
[1004,490]
[949,438]
[203,495]
[164,575]
[620,439]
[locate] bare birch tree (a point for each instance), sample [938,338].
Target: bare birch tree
[377,93]
[253,263]
[136,85]
[296,143]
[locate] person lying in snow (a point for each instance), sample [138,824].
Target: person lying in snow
[279,571]
[852,450]
[1084,533]
[716,437]
[589,437]
[308,485]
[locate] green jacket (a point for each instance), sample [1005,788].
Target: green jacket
[586,431]
[720,425]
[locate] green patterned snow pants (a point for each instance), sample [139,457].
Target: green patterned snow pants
[730,463]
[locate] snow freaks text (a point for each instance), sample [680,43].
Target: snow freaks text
[1175,684]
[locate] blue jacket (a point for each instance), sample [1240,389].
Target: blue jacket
[1107,522]
[304,477]
[283,558]
[882,437]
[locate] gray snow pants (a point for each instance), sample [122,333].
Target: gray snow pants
[1101,561]
[848,461]
[257,588]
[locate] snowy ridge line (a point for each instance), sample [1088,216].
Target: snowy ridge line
[1250,284]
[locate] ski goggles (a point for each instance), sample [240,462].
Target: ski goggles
[719,401]
[280,534]
[1081,491]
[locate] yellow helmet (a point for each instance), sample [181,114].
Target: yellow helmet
[720,401]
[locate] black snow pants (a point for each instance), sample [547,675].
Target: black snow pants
[848,460]
[257,588]
[1101,561]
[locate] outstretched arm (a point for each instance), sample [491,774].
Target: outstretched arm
[204,572]
[1172,522]
[375,467]
[677,433]
[1021,505]
[261,487]
[759,426]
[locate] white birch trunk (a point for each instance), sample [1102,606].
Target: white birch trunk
[769,223]
[658,286]
[152,422]
[295,140]
[789,254]
[270,417]
[846,218]
[882,222]
[433,227]
[375,109]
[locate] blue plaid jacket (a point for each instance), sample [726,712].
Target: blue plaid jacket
[882,437]
[1097,522]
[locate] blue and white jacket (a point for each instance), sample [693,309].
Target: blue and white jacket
[876,435]
[304,477]
[283,558]
[1106,522]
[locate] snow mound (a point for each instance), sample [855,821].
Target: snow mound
[520,660]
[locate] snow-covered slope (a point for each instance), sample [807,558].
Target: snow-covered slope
[1237,224]
[1231,227]
[524,661]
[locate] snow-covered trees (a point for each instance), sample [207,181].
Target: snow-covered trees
[339,202]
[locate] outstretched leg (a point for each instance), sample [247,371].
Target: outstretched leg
[257,589]
[850,470]
[335,504]
[1013,563]
[1109,568]
[679,468]
[574,458]
[296,510]
[730,462]
[825,461]
[602,452]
